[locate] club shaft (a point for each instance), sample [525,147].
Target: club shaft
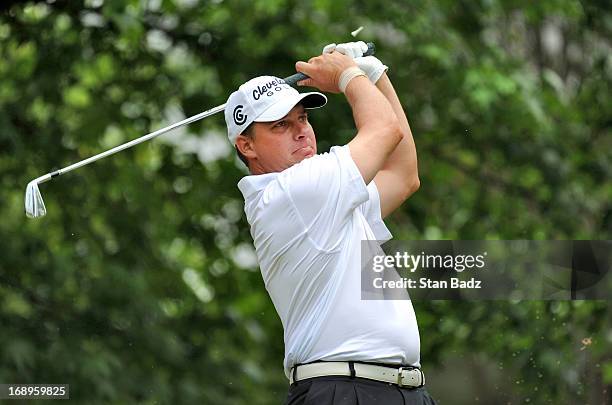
[133,142]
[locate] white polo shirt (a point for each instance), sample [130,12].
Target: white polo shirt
[307,224]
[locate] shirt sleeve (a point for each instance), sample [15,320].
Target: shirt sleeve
[325,190]
[372,213]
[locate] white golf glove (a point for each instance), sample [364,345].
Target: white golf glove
[371,65]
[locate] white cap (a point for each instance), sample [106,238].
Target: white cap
[264,99]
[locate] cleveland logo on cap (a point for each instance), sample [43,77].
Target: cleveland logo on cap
[268,88]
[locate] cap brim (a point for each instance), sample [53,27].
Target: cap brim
[279,110]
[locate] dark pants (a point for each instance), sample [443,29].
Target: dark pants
[332,390]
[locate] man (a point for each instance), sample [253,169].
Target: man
[309,213]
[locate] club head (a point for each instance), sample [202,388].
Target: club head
[34,204]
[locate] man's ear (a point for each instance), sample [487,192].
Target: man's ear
[245,146]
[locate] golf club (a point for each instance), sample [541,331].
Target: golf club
[34,204]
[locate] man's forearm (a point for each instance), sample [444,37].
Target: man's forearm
[403,159]
[378,130]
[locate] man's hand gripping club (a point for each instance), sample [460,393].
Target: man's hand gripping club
[324,71]
[378,130]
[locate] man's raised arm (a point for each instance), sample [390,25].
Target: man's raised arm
[398,178]
[378,129]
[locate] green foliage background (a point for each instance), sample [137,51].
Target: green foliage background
[139,286]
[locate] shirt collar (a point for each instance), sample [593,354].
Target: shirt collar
[253,184]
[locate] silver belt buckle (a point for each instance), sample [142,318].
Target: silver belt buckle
[400,377]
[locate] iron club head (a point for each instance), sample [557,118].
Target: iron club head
[34,204]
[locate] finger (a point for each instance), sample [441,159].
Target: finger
[350,50]
[329,48]
[306,82]
[363,46]
[342,48]
[304,67]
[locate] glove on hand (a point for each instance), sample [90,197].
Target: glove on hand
[371,65]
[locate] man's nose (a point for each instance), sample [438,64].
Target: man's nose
[300,132]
